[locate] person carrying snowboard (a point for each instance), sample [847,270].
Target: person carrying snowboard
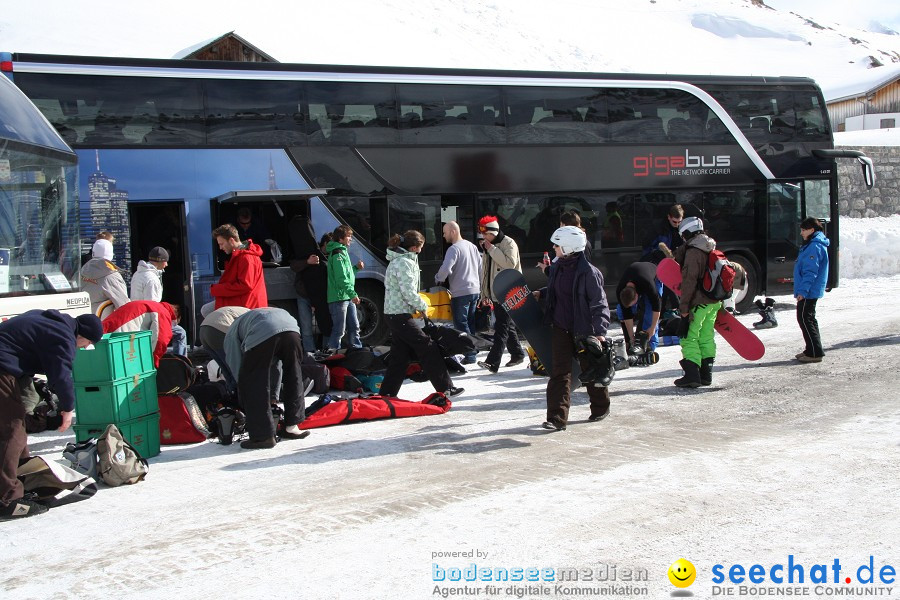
[576,308]
[697,310]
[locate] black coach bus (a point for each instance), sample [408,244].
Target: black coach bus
[181,145]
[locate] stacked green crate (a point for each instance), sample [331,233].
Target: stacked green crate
[115,382]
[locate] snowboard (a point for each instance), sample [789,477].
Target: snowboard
[743,340]
[518,301]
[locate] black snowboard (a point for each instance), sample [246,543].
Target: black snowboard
[517,300]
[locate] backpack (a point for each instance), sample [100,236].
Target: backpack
[119,462]
[174,374]
[718,278]
[181,420]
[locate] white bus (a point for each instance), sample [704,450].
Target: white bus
[40,264]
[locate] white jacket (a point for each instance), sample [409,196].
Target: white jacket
[146,283]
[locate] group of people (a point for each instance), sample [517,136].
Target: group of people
[260,348]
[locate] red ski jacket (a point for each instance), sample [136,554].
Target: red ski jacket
[242,282]
[144,315]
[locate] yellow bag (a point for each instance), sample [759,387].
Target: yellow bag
[438,305]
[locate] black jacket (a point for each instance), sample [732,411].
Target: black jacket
[591,307]
[41,341]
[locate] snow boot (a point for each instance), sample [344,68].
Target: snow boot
[691,377]
[706,371]
[767,314]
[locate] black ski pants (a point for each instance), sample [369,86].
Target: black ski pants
[255,383]
[13,439]
[558,388]
[407,338]
[809,326]
[504,336]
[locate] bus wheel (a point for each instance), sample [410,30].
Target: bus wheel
[743,299]
[373,327]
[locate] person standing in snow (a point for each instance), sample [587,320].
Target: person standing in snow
[101,279]
[810,278]
[146,284]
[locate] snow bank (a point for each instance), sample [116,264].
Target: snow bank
[870,247]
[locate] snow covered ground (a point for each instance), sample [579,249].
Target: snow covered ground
[775,459]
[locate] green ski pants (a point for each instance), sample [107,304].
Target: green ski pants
[700,342]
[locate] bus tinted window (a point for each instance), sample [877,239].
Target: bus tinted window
[352,113]
[117,111]
[450,114]
[255,112]
[767,116]
[424,215]
[367,217]
[644,115]
[545,115]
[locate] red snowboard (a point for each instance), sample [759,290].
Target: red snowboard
[744,341]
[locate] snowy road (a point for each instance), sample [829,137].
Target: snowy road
[775,459]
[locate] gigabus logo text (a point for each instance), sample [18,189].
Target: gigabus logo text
[659,165]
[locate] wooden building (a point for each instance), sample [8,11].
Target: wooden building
[877,103]
[226,47]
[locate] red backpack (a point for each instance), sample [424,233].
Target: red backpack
[718,279]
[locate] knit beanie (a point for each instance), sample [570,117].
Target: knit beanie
[89,326]
[102,249]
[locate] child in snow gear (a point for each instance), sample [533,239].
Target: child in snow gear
[582,314]
[698,344]
[810,278]
[767,314]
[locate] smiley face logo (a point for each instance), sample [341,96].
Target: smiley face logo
[682,573]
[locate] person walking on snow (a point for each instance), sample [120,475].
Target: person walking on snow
[697,310]
[401,301]
[500,252]
[810,279]
[576,308]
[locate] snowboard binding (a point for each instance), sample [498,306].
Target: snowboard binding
[598,359]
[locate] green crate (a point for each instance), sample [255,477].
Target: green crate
[142,433]
[115,401]
[115,356]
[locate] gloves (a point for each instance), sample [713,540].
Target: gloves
[684,324]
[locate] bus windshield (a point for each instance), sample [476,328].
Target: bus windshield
[39,233]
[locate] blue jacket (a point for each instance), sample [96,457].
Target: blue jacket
[811,268]
[41,341]
[591,307]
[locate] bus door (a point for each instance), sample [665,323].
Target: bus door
[785,211]
[164,223]
[789,202]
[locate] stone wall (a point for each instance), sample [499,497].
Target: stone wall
[882,200]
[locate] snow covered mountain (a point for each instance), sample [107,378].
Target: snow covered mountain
[743,37]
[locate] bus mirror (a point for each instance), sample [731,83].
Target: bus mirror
[868,169]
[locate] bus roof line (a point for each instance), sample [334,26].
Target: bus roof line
[106,70]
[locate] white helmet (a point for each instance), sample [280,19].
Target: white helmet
[570,239]
[690,225]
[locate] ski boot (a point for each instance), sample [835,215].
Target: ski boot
[643,360]
[767,312]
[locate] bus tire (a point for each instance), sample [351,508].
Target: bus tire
[373,328]
[743,300]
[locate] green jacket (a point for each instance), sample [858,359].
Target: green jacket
[341,274]
[401,283]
